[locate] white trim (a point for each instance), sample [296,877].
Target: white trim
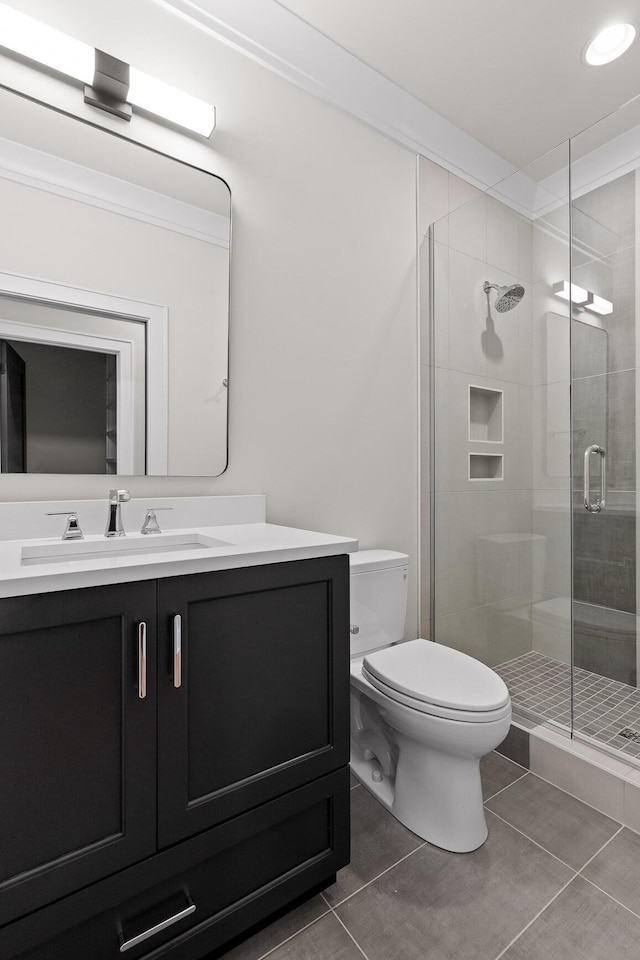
[123,351]
[41,170]
[285,44]
[156,319]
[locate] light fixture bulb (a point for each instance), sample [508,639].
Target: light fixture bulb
[571,292]
[609,44]
[600,305]
[165,101]
[36,41]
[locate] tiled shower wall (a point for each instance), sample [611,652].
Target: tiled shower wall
[501,544]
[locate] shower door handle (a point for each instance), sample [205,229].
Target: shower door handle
[600,501]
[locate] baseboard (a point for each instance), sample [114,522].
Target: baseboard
[591,775]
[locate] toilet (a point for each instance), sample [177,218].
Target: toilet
[422,714]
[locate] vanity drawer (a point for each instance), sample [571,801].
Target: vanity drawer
[199,895]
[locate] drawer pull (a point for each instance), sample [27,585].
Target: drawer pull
[177,651]
[142,660]
[128,944]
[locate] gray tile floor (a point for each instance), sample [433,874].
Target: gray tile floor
[540,689]
[556,880]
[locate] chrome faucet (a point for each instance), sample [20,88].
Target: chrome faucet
[114,519]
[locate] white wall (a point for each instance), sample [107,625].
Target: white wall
[323,367]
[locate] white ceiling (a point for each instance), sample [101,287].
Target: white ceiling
[507,72]
[483,87]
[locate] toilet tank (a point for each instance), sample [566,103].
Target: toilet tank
[378,607]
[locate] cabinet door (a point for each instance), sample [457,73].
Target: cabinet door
[260,702]
[77,742]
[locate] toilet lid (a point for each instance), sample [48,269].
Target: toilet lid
[436,674]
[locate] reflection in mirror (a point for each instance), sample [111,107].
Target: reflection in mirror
[113,303]
[73,397]
[47,386]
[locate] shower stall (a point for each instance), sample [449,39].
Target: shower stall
[529,439]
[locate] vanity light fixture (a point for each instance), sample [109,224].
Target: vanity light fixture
[570,291]
[582,298]
[110,84]
[599,305]
[609,44]
[49,47]
[173,105]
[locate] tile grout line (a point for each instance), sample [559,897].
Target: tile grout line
[610,896]
[332,906]
[598,852]
[287,939]
[594,884]
[502,789]
[346,928]
[534,842]
[537,916]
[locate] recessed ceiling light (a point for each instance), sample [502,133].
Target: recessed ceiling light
[609,44]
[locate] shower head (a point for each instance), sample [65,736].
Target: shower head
[507,297]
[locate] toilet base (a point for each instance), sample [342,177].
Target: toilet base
[367,771]
[440,799]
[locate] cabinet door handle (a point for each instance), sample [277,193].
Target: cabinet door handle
[177,651]
[128,944]
[142,660]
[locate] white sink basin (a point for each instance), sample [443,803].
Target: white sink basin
[103,549]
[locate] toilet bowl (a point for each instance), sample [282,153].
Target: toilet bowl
[422,714]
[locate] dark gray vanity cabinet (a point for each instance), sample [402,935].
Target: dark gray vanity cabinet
[77,744]
[164,790]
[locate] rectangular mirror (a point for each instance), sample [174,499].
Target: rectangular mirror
[114,303]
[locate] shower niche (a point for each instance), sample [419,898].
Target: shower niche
[486,418]
[485,426]
[485,466]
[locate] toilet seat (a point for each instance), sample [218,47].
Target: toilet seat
[438,680]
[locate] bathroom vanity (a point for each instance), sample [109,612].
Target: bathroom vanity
[174,750]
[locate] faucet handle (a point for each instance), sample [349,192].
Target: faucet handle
[72,530]
[151,524]
[119,496]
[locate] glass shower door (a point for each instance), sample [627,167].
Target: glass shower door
[530,439]
[605,172]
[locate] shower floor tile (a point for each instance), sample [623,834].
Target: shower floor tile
[540,689]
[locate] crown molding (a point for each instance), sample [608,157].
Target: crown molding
[284,43]
[273,36]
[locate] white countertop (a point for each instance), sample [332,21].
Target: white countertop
[250,544]
[238,520]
